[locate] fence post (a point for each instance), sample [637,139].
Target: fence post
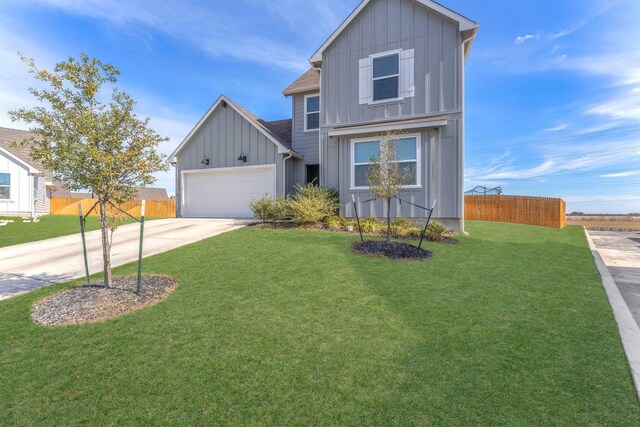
[84,244]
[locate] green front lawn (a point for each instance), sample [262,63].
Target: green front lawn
[290,327]
[48,227]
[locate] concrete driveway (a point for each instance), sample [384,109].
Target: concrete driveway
[34,265]
[621,254]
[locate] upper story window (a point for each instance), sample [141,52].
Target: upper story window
[311,112]
[407,151]
[387,76]
[5,186]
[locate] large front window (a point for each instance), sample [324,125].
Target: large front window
[5,186]
[407,154]
[386,77]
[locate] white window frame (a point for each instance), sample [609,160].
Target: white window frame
[8,186]
[312,95]
[373,79]
[418,159]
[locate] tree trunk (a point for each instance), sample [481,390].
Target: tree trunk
[388,219]
[106,244]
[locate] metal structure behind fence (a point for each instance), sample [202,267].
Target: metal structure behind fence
[484,191]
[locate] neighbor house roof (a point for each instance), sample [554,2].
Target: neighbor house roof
[21,154]
[272,130]
[147,193]
[307,82]
[465,25]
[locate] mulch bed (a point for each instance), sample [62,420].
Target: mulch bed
[96,303]
[392,250]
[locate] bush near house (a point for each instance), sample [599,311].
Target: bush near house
[309,205]
[269,209]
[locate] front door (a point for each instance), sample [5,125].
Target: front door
[313,174]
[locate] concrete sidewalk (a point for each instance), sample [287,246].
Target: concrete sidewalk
[620,252]
[34,265]
[617,258]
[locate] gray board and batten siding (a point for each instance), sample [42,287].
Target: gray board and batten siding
[387,25]
[222,138]
[306,143]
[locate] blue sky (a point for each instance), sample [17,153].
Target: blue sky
[553,87]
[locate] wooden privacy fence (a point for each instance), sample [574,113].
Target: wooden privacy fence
[153,208]
[544,211]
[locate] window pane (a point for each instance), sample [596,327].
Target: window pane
[313,104]
[385,89]
[408,170]
[4,192]
[406,149]
[385,66]
[313,121]
[360,179]
[5,179]
[364,151]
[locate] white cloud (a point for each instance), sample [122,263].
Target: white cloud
[621,174]
[559,127]
[214,33]
[525,38]
[625,106]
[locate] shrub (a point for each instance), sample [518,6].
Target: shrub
[401,223]
[400,231]
[313,205]
[370,225]
[336,222]
[267,208]
[436,232]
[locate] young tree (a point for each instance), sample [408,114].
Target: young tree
[384,176]
[88,141]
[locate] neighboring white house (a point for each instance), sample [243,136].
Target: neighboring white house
[24,184]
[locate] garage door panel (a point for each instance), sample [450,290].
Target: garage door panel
[225,192]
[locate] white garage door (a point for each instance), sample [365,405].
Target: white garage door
[225,193]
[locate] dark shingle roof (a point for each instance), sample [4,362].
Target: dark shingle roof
[283,129]
[307,82]
[278,129]
[7,136]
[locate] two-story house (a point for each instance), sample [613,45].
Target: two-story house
[392,65]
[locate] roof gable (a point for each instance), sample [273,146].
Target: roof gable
[269,129]
[307,82]
[465,25]
[20,154]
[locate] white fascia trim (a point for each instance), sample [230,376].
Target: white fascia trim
[311,95]
[463,23]
[281,148]
[352,163]
[385,128]
[31,169]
